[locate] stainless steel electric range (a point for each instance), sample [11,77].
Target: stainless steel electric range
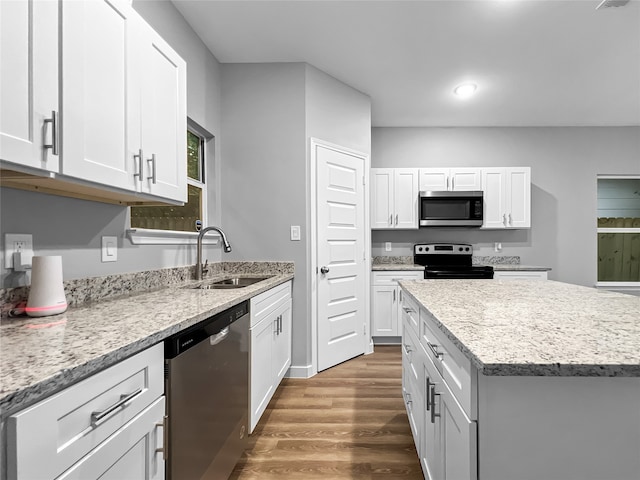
[448,261]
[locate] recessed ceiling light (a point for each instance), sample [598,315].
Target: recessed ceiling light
[465,90]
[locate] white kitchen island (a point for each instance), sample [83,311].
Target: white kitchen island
[522,380]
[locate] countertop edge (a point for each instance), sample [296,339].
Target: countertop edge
[496,267]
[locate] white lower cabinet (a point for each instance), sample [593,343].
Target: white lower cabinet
[109,425]
[270,349]
[386,301]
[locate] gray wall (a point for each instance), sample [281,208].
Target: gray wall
[73,228]
[564,164]
[269,113]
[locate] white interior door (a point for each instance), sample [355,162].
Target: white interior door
[341,276]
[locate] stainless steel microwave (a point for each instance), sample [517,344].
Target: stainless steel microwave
[451,209]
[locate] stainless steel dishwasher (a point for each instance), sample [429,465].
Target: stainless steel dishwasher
[207,387]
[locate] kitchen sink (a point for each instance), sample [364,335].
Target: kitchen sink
[231,282]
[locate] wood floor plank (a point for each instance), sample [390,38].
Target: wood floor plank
[348,422]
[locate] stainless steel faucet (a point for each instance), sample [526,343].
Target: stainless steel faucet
[225,244]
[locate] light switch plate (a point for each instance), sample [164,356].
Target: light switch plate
[109,249]
[295,232]
[17,242]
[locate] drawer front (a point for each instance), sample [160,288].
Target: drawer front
[519,275]
[262,305]
[410,312]
[61,429]
[455,368]
[392,277]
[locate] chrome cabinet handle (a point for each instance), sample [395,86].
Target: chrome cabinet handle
[510,221]
[453,179]
[391,219]
[433,347]
[447,182]
[152,161]
[394,295]
[324,270]
[165,437]
[409,401]
[279,324]
[396,219]
[98,417]
[504,219]
[408,310]
[54,132]
[433,404]
[138,157]
[429,384]
[407,349]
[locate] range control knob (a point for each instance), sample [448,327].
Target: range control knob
[419,249]
[467,249]
[460,248]
[426,249]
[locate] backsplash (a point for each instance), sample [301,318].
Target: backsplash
[86,290]
[476,260]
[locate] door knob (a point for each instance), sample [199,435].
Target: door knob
[324,270]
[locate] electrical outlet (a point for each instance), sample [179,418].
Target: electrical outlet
[17,243]
[387,246]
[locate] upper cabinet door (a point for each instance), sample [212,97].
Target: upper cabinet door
[406,198]
[29,79]
[518,188]
[493,182]
[434,179]
[465,179]
[161,77]
[96,69]
[382,198]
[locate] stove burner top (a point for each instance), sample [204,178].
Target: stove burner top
[448,261]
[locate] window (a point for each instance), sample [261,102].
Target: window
[180,218]
[619,231]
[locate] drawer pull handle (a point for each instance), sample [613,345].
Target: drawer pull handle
[408,310]
[98,417]
[165,437]
[429,384]
[433,404]
[54,132]
[407,349]
[433,347]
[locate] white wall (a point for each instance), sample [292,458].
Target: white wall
[73,228]
[564,164]
[269,113]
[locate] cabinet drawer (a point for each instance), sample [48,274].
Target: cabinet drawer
[519,275]
[262,305]
[61,429]
[410,314]
[392,277]
[455,368]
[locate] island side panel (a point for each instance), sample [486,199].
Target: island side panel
[558,428]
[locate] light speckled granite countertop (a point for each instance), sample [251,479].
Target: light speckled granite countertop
[536,328]
[39,357]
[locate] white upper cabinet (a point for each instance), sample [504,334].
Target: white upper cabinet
[159,117]
[450,179]
[97,41]
[394,194]
[507,197]
[122,115]
[29,79]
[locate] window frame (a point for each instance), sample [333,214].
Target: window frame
[614,284]
[150,236]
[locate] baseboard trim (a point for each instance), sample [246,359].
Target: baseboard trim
[300,371]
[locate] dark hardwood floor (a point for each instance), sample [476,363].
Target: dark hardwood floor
[348,422]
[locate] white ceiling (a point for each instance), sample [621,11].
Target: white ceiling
[536,62]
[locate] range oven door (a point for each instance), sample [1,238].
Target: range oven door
[451,209]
